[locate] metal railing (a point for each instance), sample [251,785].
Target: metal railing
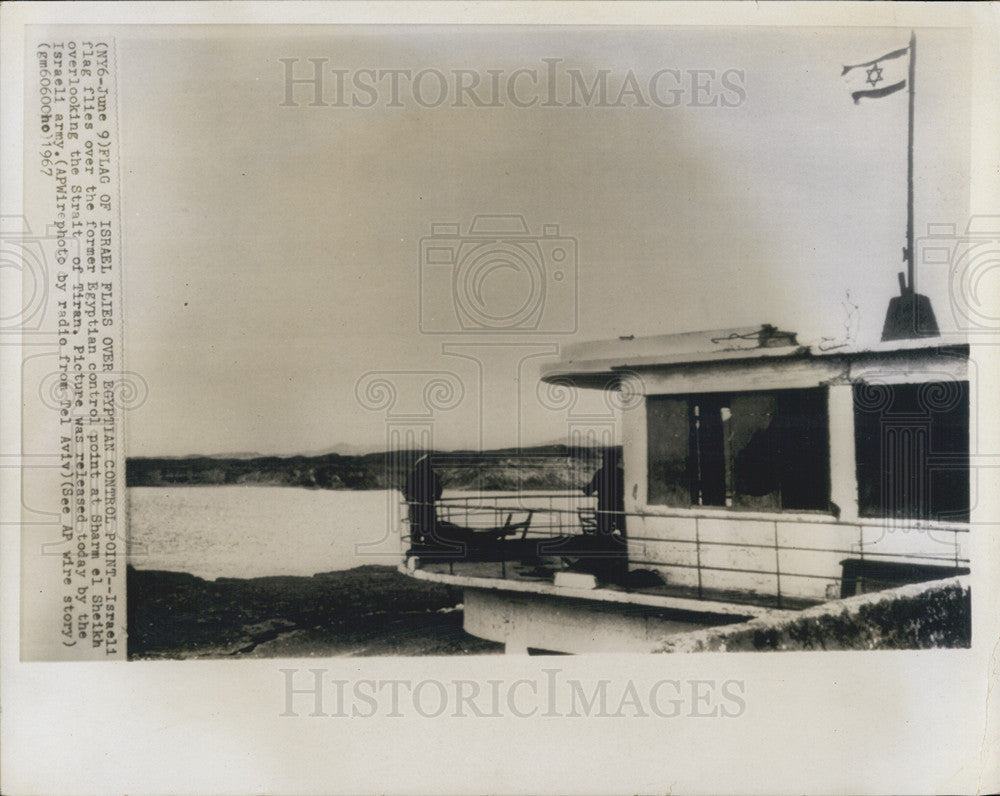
[550,520]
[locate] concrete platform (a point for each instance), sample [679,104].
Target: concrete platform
[527,612]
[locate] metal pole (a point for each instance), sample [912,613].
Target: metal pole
[910,287]
[697,552]
[859,587]
[777,562]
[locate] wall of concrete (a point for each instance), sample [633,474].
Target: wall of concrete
[749,544]
[533,621]
[918,616]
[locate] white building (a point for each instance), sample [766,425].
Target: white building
[759,475]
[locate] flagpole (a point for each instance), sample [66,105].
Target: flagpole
[910,287]
[909,314]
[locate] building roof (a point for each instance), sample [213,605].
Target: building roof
[601,363]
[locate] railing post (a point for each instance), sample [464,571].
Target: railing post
[777,562]
[697,553]
[859,586]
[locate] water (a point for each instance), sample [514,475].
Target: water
[251,531]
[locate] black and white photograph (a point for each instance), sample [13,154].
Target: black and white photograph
[575,368]
[547,341]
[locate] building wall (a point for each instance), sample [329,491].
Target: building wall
[674,541]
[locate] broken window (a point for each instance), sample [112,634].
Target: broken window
[763,450]
[912,448]
[669,482]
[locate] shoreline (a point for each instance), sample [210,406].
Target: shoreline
[548,466]
[367,610]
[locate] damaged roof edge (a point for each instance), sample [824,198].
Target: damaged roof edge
[601,363]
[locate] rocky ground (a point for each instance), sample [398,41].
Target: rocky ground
[369,610]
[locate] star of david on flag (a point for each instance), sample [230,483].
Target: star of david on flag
[878,78]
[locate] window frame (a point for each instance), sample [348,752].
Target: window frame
[712,511]
[868,511]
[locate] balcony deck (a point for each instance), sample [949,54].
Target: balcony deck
[540,579]
[783,563]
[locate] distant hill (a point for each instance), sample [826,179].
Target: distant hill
[542,467]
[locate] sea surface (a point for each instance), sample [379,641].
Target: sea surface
[253,531]
[250,531]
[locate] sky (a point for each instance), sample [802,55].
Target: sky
[284,288]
